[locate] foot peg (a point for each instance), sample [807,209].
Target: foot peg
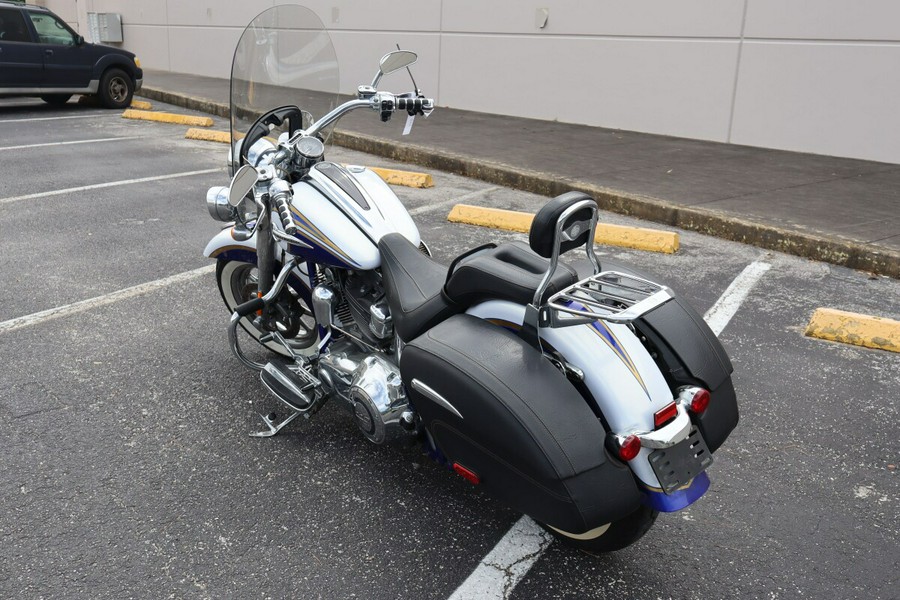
[297,389]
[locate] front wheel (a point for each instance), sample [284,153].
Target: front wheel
[238,283]
[612,536]
[116,89]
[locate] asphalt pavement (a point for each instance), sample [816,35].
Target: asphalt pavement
[128,471]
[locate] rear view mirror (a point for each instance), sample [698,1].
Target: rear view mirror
[394,61]
[241,184]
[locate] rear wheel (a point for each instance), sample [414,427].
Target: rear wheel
[116,89]
[612,536]
[56,99]
[238,283]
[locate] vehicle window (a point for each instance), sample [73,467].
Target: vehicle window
[12,26]
[51,30]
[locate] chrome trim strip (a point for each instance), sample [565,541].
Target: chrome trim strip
[670,435]
[92,88]
[433,395]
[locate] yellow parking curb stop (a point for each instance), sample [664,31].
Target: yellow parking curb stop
[143,115]
[140,104]
[407,178]
[652,240]
[854,328]
[208,135]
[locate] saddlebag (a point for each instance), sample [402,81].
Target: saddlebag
[496,407]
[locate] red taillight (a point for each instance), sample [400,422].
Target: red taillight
[629,447]
[700,401]
[468,475]
[664,415]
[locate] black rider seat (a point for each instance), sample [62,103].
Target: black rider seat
[419,298]
[413,283]
[510,271]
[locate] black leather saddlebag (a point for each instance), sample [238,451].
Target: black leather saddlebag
[495,406]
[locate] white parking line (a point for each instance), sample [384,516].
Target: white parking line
[728,304]
[461,199]
[500,571]
[509,561]
[83,305]
[112,139]
[90,116]
[98,186]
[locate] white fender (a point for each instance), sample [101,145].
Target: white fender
[224,242]
[618,371]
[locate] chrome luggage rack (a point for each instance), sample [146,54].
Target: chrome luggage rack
[609,296]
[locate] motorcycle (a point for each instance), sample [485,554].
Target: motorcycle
[585,395]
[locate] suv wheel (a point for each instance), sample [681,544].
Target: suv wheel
[116,89]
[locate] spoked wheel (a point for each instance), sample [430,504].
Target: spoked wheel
[238,283]
[612,536]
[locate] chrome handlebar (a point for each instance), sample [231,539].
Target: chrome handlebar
[384,102]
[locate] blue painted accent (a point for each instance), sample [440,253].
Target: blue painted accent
[247,256]
[678,499]
[607,335]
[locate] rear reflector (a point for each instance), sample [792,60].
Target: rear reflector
[468,475]
[664,415]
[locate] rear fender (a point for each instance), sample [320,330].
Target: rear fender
[619,372]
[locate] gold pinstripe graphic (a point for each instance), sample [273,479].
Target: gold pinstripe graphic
[315,235]
[620,352]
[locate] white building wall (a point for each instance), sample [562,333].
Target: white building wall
[815,76]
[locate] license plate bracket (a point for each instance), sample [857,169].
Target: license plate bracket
[678,465]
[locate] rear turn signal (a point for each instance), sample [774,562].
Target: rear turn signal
[700,401]
[629,447]
[694,399]
[466,474]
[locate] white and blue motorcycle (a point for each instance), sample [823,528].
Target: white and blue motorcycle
[582,394]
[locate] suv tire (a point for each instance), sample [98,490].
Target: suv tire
[116,88]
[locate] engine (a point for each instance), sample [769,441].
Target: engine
[368,382]
[368,306]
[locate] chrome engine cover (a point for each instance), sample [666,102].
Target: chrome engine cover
[379,399]
[371,388]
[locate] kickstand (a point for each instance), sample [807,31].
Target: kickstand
[270,421]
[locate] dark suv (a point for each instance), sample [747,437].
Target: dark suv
[41,56]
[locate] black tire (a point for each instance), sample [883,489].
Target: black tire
[116,88]
[236,285]
[616,535]
[56,99]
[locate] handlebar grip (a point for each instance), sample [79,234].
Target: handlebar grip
[414,106]
[280,192]
[284,211]
[251,306]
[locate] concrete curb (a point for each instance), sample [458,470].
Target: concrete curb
[639,238]
[835,251]
[854,328]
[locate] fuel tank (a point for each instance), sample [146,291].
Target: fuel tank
[342,212]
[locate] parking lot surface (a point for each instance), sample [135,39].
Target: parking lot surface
[128,471]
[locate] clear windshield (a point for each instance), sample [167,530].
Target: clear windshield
[284,57]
